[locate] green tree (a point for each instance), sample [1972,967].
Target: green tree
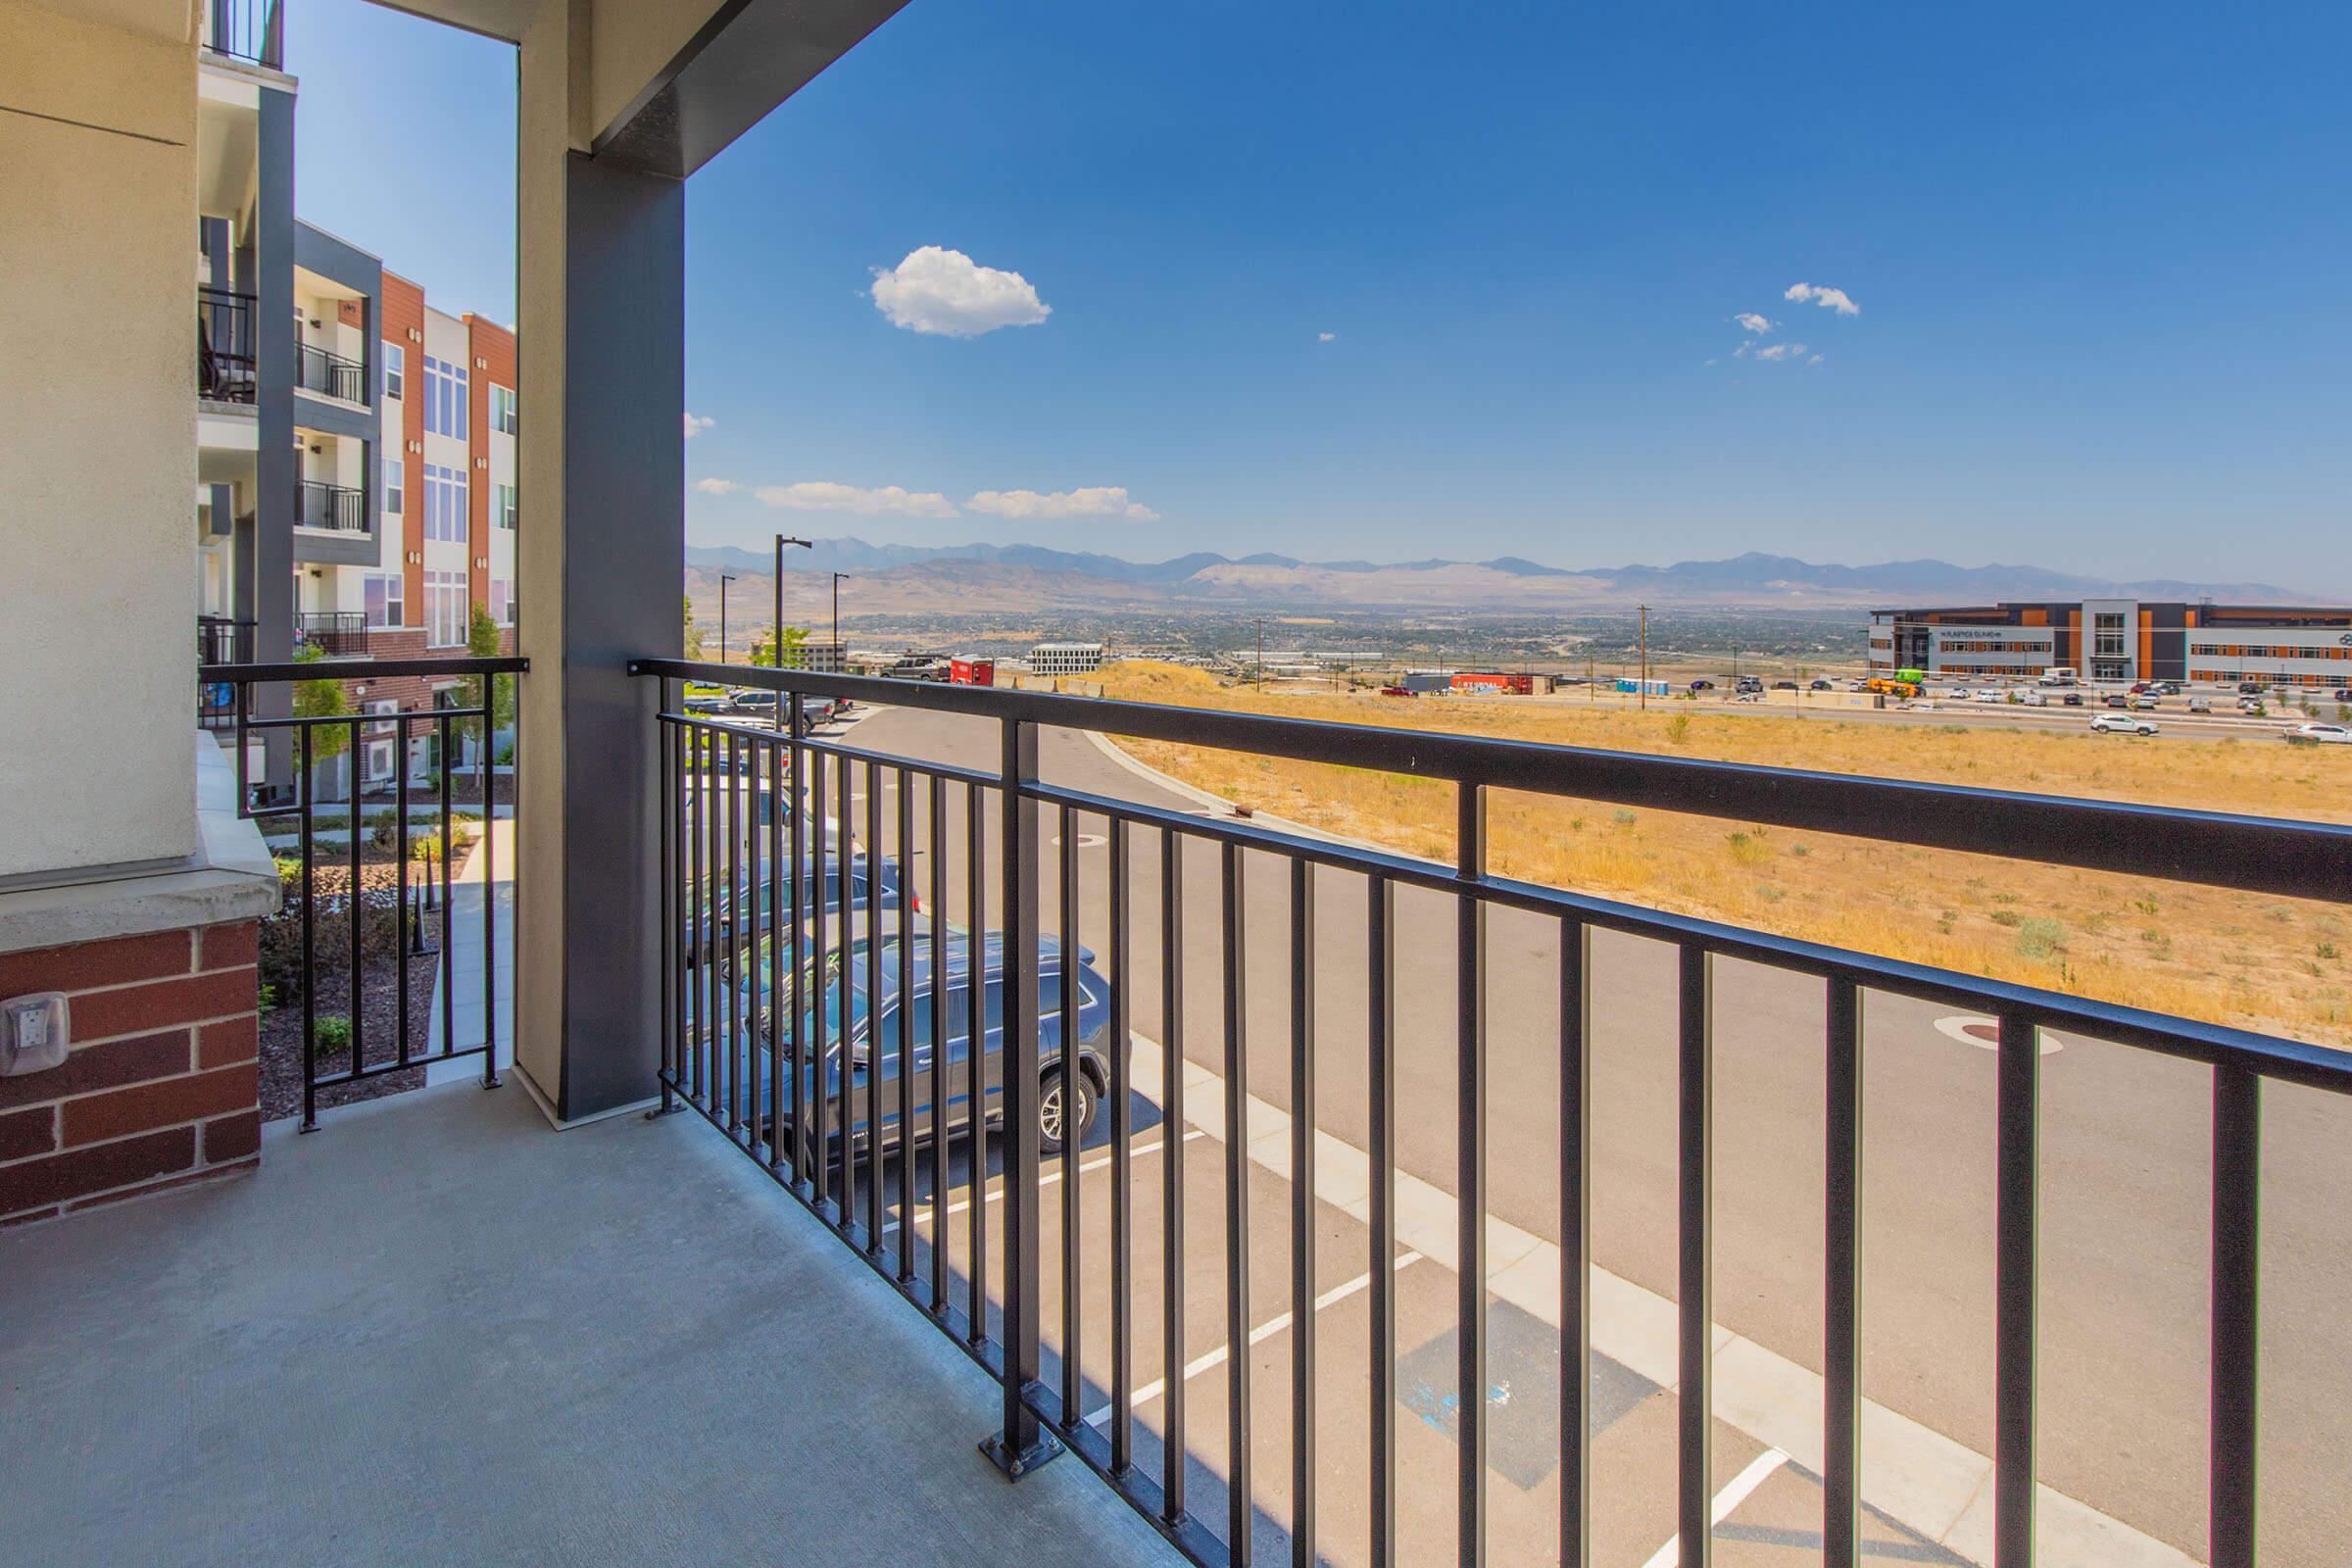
[481,641]
[320,699]
[693,634]
[765,648]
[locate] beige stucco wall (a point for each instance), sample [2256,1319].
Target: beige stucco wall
[97,449]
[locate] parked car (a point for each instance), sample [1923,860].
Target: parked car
[706,703]
[1702,686]
[1991,695]
[2343,694]
[2249,705]
[2117,700]
[2321,734]
[2121,724]
[2249,688]
[875,974]
[2166,688]
[1958,694]
[1783,685]
[2145,701]
[754,701]
[2072,698]
[1820,686]
[1750,683]
[2137,687]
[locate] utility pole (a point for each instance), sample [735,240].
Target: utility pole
[1644,683]
[781,542]
[841,655]
[724,579]
[1262,652]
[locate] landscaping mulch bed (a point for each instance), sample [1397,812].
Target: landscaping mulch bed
[281,1035]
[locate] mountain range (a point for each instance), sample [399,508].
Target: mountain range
[901,578]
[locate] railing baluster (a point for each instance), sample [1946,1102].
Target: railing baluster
[1576,1241]
[1237,1211]
[400,946]
[1841,1285]
[1302,1214]
[876,1165]
[446,764]
[1696,1281]
[778,1024]
[1022,1444]
[1122,1172]
[787,990]
[355,902]
[975,1054]
[2233,1489]
[309,960]
[808,997]
[730,828]
[2019,1072]
[903,1099]
[845,819]
[485,773]
[1381,1061]
[1174,1454]
[1073,1325]
[1470,1154]
[940,1045]
[750,933]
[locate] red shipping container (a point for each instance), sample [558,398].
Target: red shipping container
[972,671]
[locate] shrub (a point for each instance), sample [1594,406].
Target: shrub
[1623,816]
[2325,948]
[1748,849]
[2039,939]
[331,1037]
[2009,917]
[1678,728]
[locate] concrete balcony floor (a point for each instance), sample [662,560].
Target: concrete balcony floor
[437,1332]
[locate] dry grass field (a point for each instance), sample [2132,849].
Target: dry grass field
[2276,965]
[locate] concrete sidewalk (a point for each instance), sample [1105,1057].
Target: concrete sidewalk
[468,1008]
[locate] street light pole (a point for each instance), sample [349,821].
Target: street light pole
[781,542]
[840,653]
[1645,692]
[724,579]
[1262,652]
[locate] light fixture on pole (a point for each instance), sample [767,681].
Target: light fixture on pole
[781,542]
[724,579]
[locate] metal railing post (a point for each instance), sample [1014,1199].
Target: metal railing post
[1023,1443]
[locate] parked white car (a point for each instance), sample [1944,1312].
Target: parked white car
[2321,734]
[2121,724]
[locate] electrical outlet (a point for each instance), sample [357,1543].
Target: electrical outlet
[35,1033]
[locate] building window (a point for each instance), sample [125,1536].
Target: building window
[385,600]
[502,408]
[445,609]
[502,506]
[395,476]
[2107,633]
[445,504]
[396,366]
[444,398]
[502,602]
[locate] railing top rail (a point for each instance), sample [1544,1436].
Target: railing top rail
[331,357]
[222,294]
[363,670]
[2251,854]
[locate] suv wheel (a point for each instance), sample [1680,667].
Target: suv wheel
[1053,1114]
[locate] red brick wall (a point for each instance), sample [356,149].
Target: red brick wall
[492,348]
[162,1085]
[404,313]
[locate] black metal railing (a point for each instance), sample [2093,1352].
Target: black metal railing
[808,1040]
[220,640]
[393,848]
[225,358]
[337,633]
[249,29]
[319,504]
[331,375]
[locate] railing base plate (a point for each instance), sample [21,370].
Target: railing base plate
[1015,1465]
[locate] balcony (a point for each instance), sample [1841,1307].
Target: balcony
[336,633]
[341,508]
[330,374]
[225,356]
[1242,1086]
[246,29]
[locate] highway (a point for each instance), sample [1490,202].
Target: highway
[2123,1260]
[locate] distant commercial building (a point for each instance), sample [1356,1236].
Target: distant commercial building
[2119,640]
[1066,658]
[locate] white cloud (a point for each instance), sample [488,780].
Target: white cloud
[716,487]
[1740,352]
[697,423]
[1828,299]
[1750,321]
[1817,358]
[1779,351]
[817,495]
[946,293]
[1326,337]
[1102,501]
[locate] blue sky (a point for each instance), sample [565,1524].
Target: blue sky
[2095,258]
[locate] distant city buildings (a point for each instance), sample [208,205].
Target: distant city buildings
[2120,640]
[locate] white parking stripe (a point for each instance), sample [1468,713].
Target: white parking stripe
[1257,1336]
[1046,1178]
[1743,1484]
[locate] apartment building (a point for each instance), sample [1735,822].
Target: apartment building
[2120,640]
[1066,658]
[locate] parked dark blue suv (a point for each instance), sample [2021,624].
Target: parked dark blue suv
[874,1041]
